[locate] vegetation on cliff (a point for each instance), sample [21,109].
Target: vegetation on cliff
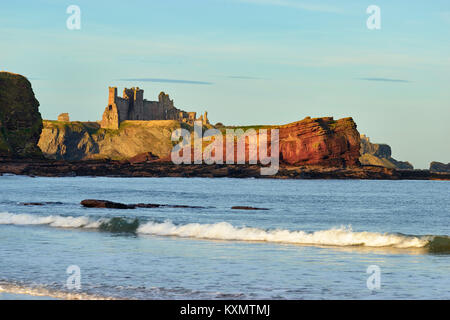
[20,120]
[87,140]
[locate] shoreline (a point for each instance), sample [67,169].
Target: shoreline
[124,168]
[11,291]
[116,168]
[23,296]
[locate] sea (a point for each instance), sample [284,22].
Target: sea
[318,239]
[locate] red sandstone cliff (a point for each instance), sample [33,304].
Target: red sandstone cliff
[320,141]
[315,142]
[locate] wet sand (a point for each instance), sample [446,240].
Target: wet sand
[17,296]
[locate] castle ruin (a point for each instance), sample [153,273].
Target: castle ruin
[133,106]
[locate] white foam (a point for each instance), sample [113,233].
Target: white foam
[53,221]
[343,236]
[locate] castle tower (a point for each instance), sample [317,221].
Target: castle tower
[110,118]
[138,94]
[138,104]
[135,101]
[112,95]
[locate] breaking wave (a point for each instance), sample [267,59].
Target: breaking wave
[53,221]
[115,224]
[341,237]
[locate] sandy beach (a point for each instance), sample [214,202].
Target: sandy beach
[16,296]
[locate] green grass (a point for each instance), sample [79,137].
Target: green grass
[245,128]
[90,127]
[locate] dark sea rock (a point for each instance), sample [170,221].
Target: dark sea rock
[147,205]
[41,203]
[92,203]
[247,208]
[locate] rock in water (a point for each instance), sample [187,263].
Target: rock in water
[439,167]
[92,203]
[20,120]
[247,208]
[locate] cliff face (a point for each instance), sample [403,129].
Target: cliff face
[86,140]
[320,141]
[20,120]
[439,167]
[380,155]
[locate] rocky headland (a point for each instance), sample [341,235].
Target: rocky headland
[439,167]
[312,148]
[380,155]
[20,120]
[319,141]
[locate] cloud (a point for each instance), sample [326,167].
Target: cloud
[301,5]
[166,81]
[385,80]
[244,77]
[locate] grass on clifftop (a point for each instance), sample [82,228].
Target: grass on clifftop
[90,127]
[245,128]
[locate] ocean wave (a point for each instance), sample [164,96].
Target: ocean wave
[339,237]
[53,220]
[343,236]
[115,224]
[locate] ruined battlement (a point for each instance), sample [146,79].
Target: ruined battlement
[133,106]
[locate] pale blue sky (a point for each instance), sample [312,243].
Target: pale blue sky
[247,62]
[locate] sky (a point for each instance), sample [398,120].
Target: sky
[246,62]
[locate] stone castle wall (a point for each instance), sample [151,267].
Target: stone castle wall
[133,106]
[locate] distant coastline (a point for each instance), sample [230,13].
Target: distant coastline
[125,168]
[141,143]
